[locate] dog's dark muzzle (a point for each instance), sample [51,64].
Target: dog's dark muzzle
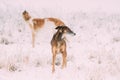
[72,33]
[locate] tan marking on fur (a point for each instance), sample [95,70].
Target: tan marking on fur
[38,23]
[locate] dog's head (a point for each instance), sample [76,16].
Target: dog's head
[64,30]
[26,15]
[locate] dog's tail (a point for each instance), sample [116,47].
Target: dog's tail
[56,21]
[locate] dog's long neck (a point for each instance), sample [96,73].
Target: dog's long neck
[58,36]
[30,23]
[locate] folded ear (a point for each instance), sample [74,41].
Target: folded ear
[58,27]
[25,12]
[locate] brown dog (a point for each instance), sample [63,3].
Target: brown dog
[37,23]
[58,44]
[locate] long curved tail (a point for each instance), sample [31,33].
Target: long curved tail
[56,21]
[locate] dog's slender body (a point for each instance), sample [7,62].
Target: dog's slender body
[58,44]
[37,23]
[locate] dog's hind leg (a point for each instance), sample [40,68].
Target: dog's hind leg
[53,59]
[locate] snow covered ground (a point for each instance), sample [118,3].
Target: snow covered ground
[93,54]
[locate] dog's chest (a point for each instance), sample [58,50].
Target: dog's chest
[58,47]
[60,44]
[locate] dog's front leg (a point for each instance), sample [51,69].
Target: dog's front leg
[33,39]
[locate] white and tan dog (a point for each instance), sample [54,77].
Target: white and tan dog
[38,23]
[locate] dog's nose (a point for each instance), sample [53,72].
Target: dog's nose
[74,33]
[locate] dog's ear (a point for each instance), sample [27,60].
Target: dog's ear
[24,12]
[58,27]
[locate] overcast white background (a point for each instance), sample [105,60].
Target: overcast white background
[93,54]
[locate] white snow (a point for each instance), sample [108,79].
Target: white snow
[93,54]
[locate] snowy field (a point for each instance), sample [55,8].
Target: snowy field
[93,54]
